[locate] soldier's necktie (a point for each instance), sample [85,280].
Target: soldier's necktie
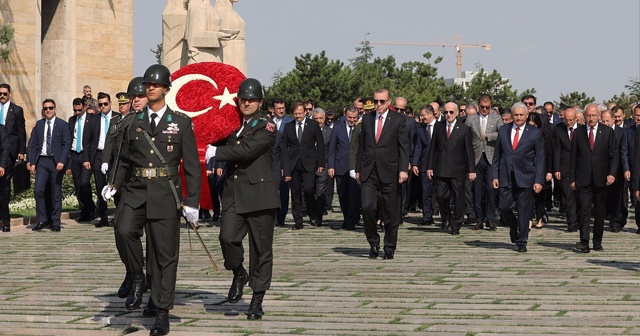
[516,138]
[428,132]
[79,135]
[379,130]
[2,114]
[591,138]
[153,121]
[299,132]
[48,137]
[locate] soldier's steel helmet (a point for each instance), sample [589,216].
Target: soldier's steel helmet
[157,73]
[250,88]
[136,87]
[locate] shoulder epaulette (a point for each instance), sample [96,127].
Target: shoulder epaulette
[180,114]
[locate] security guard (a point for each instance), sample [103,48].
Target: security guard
[156,140]
[250,198]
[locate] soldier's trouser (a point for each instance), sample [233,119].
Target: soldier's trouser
[163,247]
[259,225]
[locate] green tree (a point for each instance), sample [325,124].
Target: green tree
[574,98]
[6,36]
[419,83]
[493,84]
[625,101]
[158,53]
[634,86]
[366,54]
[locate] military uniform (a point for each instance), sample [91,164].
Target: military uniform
[250,199]
[147,200]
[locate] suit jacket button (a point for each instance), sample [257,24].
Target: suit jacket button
[236,165]
[235,177]
[153,139]
[151,151]
[237,142]
[150,164]
[261,180]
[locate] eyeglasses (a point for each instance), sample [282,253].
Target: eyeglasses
[47,108]
[103,104]
[400,109]
[380,101]
[76,111]
[485,107]
[529,103]
[2,94]
[462,110]
[449,112]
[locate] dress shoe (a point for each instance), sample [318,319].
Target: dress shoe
[40,226]
[584,248]
[55,228]
[215,218]
[445,224]
[6,229]
[280,224]
[161,325]
[388,255]
[373,252]
[125,287]
[255,311]
[134,299]
[455,232]
[427,222]
[615,227]
[572,229]
[478,226]
[314,222]
[86,218]
[597,247]
[150,310]
[521,249]
[102,223]
[489,225]
[240,278]
[297,227]
[347,228]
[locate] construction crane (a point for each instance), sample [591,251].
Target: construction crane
[458,47]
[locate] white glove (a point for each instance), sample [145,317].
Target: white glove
[104,168]
[352,173]
[107,192]
[211,153]
[191,213]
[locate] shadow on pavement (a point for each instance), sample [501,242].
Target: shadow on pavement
[490,245]
[624,265]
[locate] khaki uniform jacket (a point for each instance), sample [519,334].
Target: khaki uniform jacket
[249,178]
[176,141]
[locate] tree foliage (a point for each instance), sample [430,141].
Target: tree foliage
[494,85]
[157,52]
[574,98]
[625,101]
[634,87]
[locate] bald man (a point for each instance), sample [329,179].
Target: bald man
[564,133]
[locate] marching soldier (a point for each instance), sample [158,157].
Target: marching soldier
[250,198]
[156,139]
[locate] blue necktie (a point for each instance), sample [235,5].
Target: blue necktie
[2,114]
[106,124]
[79,136]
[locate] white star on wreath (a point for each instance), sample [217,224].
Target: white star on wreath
[226,98]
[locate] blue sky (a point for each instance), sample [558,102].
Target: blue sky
[553,46]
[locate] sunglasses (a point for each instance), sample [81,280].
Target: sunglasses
[76,111]
[462,110]
[400,109]
[529,103]
[380,101]
[47,108]
[2,94]
[449,112]
[485,107]
[103,104]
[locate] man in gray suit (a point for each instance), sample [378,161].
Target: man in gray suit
[484,129]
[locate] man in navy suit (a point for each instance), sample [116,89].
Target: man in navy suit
[382,164]
[594,164]
[450,162]
[338,164]
[305,148]
[554,118]
[518,171]
[84,148]
[280,118]
[48,153]
[419,161]
[629,155]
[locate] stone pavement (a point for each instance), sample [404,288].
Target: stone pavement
[323,284]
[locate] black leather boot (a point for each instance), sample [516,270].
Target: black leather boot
[151,309]
[161,325]
[125,287]
[255,307]
[240,278]
[134,300]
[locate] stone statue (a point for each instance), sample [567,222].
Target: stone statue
[233,41]
[203,32]
[174,22]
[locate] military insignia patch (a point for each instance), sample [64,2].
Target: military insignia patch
[171,129]
[169,118]
[169,148]
[141,116]
[254,123]
[270,127]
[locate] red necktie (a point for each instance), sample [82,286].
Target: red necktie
[379,130]
[448,131]
[591,139]
[515,139]
[571,135]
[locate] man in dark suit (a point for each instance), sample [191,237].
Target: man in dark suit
[152,197]
[449,163]
[563,137]
[419,161]
[594,164]
[342,136]
[323,182]
[629,155]
[84,130]
[280,119]
[305,148]
[103,119]
[518,170]
[12,117]
[400,106]
[48,151]
[552,116]
[381,166]
[615,211]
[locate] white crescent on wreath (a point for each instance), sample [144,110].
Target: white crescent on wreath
[225,98]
